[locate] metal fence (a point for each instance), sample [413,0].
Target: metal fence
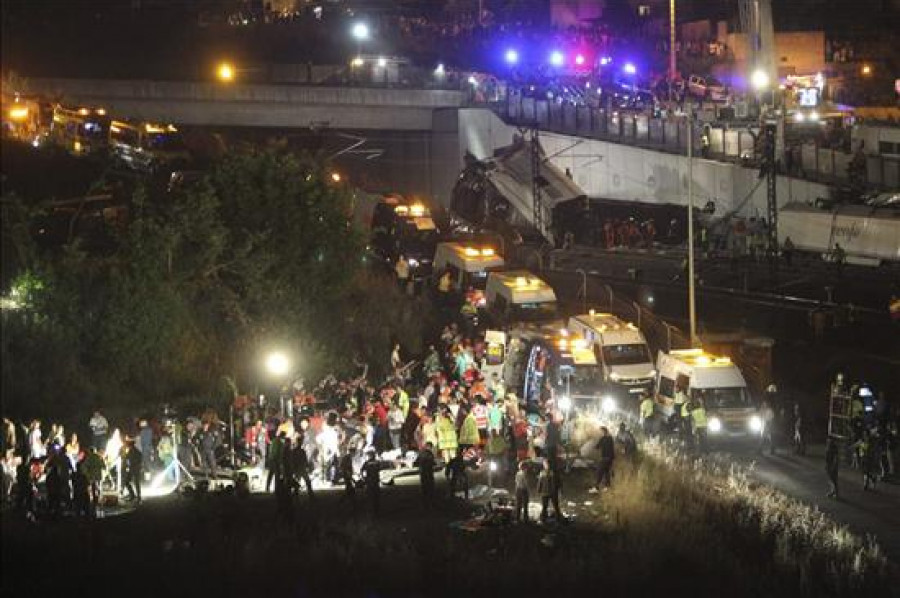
[736,143]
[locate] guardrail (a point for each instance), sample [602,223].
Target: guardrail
[735,144]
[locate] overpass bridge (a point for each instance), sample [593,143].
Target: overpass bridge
[423,135]
[257,105]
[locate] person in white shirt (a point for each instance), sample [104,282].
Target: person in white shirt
[100,429]
[35,441]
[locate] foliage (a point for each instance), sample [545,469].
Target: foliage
[192,289]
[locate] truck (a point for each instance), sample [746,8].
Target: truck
[621,350]
[469,265]
[403,227]
[731,410]
[518,296]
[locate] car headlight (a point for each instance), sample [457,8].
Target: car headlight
[413,263]
[614,377]
[715,425]
[756,424]
[652,374]
[608,404]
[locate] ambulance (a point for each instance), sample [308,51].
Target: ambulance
[518,296]
[730,409]
[546,360]
[621,350]
[468,265]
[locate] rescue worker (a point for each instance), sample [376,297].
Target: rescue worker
[370,474]
[832,460]
[446,433]
[767,435]
[425,462]
[522,493]
[646,410]
[686,427]
[699,423]
[209,442]
[869,456]
[346,469]
[625,439]
[93,467]
[468,432]
[680,402]
[133,464]
[605,464]
[457,474]
[275,461]
[496,448]
[548,486]
[402,270]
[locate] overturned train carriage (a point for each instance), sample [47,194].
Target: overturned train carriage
[497,193]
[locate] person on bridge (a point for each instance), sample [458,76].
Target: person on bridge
[832,459]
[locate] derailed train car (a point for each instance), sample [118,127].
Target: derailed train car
[869,235]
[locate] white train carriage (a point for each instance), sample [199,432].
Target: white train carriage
[868,235]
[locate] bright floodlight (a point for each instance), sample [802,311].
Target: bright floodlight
[277,364]
[759,79]
[493,466]
[579,60]
[629,68]
[565,403]
[439,69]
[225,72]
[512,57]
[608,404]
[361,31]
[557,58]
[382,62]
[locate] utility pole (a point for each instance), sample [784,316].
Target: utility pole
[537,202]
[770,166]
[692,304]
[672,69]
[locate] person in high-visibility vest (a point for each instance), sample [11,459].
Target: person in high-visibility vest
[646,410]
[680,401]
[446,433]
[698,419]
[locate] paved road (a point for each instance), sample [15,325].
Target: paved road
[876,513]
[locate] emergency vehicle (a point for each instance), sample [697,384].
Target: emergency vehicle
[146,146]
[550,361]
[620,348]
[518,296]
[730,409]
[401,227]
[22,119]
[80,131]
[468,266]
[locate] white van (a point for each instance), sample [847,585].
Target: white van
[468,264]
[620,348]
[519,296]
[730,409]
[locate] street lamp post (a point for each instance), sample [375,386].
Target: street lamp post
[278,365]
[360,33]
